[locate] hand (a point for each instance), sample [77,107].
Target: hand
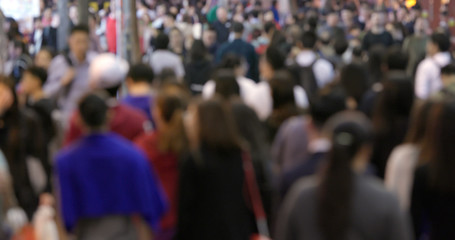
[68,77]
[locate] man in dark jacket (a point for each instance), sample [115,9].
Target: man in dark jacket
[243,49]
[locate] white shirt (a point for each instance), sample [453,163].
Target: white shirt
[247,88]
[428,75]
[399,175]
[261,101]
[162,59]
[323,69]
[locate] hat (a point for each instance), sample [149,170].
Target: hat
[107,71]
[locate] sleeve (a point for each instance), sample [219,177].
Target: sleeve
[417,202]
[56,71]
[65,194]
[285,227]
[186,199]
[422,81]
[393,176]
[74,131]
[398,227]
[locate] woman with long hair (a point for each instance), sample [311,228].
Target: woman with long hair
[23,143]
[433,192]
[404,158]
[165,146]
[341,202]
[212,200]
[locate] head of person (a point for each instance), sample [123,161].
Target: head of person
[392,112]
[222,14]
[396,59]
[210,124]
[421,26]
[168,109]
[169,20]
[8,104]
[326,104]
[44,58]
[175,38]
[438,42]
[19,48]
[340,45]
[282,89]
[237,29]
[376,63]
[226,84]
[79,41]
[269,28]
[354,80]
[420,118]
[33,79]
[332,19]
[93,112]
[347,16]
[209,37]
[234,62]
[308,40]
[272,61]
[350,137]
[378,19]
[438,149]
[162,42]
[140,73]
[198,51]
[448,75]
[107,72]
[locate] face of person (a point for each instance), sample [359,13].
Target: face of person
[221,14]
[421,26]
[43,59]
[346,16]
[265,69]
[432,48]
[378,19]
[175,38]
[29,83]
[6,98]
[79,43]
[209,38]
[332,20]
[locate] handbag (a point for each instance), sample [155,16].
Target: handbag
[255,198]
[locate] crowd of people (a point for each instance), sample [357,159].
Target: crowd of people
[239,122]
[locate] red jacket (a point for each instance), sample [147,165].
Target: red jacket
[165,166]
[127,122]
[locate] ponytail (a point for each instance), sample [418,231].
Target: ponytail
[336,189]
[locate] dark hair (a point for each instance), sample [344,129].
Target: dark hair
[217,129]
[237,27]
[198,51]
[80,28]
[275,57]
[230,61]
[350,132]
[440,147]
[21,45]
[354,81]
[309,39]
[269,26]
[38,72]
[419,121]
[93,110]
[396,58]
[376,59]
[171,101]
[441,40]
[448,70]
[226,83]
[282,87]
[340,45]
[141,73]
[162,41]
[326,104]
